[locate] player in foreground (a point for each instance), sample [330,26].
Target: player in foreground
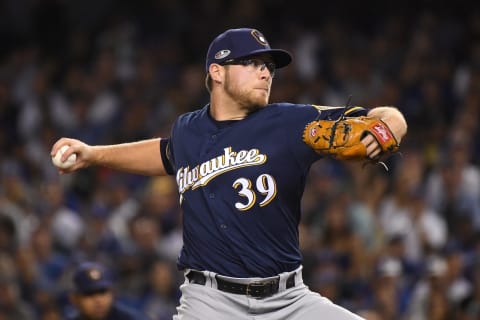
[240,165]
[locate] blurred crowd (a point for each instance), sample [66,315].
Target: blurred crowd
[402,244]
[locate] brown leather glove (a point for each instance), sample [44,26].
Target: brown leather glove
[341,139]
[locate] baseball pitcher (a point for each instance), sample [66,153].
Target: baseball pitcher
[241,164]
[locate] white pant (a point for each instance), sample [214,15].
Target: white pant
[206,302]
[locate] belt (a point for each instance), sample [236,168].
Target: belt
[254,289]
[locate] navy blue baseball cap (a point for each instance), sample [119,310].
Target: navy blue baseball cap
[243,42]
[91,277]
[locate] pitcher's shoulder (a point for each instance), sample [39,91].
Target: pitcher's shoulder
[192,115]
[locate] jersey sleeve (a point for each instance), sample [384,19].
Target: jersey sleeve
[294,119]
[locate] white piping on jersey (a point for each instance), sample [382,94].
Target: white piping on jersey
[321,108]
[230,160]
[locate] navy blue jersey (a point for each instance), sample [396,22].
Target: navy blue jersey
[240,185]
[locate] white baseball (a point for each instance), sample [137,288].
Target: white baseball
[57,159]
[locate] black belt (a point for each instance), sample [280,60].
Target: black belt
[255,289]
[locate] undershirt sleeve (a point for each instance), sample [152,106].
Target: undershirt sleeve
[166,155]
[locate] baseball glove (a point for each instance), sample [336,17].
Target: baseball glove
[341,139]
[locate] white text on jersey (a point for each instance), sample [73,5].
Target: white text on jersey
[230,160]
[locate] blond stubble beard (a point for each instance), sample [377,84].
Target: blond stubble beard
[244,97]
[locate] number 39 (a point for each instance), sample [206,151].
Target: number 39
[265,185]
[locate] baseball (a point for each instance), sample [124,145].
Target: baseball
[67,163]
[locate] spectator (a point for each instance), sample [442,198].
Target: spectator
[404,212]
[161,291]
[429,297]
[12,306]
[390,291]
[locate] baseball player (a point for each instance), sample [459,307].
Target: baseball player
[240,164]
[93,296]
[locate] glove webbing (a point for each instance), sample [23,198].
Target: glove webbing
[334,127]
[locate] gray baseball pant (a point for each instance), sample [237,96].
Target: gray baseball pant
[206,302]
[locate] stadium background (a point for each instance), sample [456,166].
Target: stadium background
[403,244]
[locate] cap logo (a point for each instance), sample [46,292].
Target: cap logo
[259,37]
[222,54]
[94,274]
